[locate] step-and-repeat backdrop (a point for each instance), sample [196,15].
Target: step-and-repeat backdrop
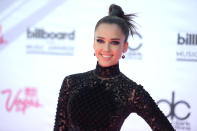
[41,42]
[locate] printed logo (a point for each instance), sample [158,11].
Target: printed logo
[189,39]
[134,47]
[2,41]
[186,47]
[42,34]
[41,41]
[178,119]
[22,100]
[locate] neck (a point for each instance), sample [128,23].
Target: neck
[106,72]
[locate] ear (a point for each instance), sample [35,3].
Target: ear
[125,47]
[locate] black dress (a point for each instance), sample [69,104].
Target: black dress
[101,99]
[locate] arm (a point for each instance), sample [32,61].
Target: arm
[146,107]
[61,121]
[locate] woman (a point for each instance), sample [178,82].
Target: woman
[101,99]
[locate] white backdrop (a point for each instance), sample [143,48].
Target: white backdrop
[41,42]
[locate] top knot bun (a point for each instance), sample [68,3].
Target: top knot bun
[115,10]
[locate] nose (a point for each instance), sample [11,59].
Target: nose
[106,46]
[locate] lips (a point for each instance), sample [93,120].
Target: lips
[106,55]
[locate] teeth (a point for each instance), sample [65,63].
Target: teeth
[106,56]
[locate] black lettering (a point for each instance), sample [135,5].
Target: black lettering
[29,33]
[181,40]
[169,104]
[61,35]
[189,39]
[195,39]
[51,35]
[188,106]
[42,34]
[180,53]
[71,36]
[172,105]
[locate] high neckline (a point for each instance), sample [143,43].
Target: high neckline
[107,72]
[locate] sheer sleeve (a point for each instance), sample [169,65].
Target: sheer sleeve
[146,108]
[61,121]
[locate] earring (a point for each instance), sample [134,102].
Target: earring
[123,56]
[94,54]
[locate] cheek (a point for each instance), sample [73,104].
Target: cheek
[117,53]
[97,50]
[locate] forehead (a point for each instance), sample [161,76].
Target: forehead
[109,31]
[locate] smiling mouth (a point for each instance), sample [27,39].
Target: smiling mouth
[106,56]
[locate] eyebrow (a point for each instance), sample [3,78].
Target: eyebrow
[110,39]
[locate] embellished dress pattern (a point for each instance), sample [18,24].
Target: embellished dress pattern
[101,99]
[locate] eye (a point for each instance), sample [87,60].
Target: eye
[115,42]
[100,41]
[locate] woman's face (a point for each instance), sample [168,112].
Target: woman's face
[109,44]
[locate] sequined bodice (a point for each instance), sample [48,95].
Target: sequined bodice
[101,99]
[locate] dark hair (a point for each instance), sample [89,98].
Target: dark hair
[117,16]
